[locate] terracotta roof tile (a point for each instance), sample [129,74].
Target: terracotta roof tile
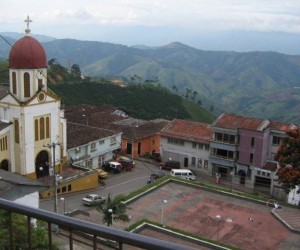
[78,134]
[281,126]
[232,121]
[190,130]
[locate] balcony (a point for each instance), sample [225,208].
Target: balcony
[73,226]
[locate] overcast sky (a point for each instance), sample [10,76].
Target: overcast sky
[100,19]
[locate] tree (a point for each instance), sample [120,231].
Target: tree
[113,210]
[39,233]
[288,156]
[75,71]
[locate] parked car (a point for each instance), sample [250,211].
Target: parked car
[169,165]
[112,166]
[155,176]
[155,156]
[127,165]
[124,158]
[102,174]
[93,199]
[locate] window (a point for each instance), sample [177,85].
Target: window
[77,150]
[206,163]
[113,140]
[93,146]
[252,141]
[26,85]
[153,141]
[69,188]
[42,128]
[199,162]
[176,141]
[100,161]
[276,140]
[194,145]
[90,163]
[222,153]
[47,127]
[206,147]
[101,142]
[193,161]
[17,138]
[3,143]
[14,83]
[36,129]
[200,146]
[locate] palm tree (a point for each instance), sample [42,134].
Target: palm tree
[113,210]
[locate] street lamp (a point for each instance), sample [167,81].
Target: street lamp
[63,200]
[218,218]
[162,212]
[110,212]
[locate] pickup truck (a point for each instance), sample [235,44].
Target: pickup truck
[169,165]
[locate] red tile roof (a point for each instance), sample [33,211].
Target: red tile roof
[103,117]
[188,130]
[78,134]
[281,126]
[232,121]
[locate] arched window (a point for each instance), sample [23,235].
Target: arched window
[47,127]
[42,128]
[36,129]
[14,83]
[17,136]
[26,85]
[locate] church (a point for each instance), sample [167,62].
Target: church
[32,124]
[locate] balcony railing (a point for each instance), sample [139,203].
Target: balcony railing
[73,226]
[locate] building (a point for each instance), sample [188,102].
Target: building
[91,146]
[138,137]
[32,124]
[243,149]
[187,142]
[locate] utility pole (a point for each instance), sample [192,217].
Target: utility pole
[56,178]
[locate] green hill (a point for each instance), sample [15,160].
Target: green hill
[141,101]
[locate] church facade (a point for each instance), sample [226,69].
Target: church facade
[32,123]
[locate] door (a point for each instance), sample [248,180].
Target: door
[186,162]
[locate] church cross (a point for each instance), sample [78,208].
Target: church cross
[28,21]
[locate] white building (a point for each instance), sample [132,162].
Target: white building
[188,143]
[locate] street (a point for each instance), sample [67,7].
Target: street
[122,183]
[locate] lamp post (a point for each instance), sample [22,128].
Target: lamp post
[64,201]
[162,212]
[110,212]
[218,218]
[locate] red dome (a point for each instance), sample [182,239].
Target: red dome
[27,53]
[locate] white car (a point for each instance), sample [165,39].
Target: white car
[93,199]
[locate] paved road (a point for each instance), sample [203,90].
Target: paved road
[122,183]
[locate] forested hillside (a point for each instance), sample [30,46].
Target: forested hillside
[147,101]
[141,101]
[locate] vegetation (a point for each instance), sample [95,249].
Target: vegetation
[4,72]
[20,233]
[113,210]
[288,156]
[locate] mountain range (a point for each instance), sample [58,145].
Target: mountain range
[256,84]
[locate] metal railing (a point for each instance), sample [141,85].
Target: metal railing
[73,226]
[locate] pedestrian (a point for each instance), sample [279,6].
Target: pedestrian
[218,178]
